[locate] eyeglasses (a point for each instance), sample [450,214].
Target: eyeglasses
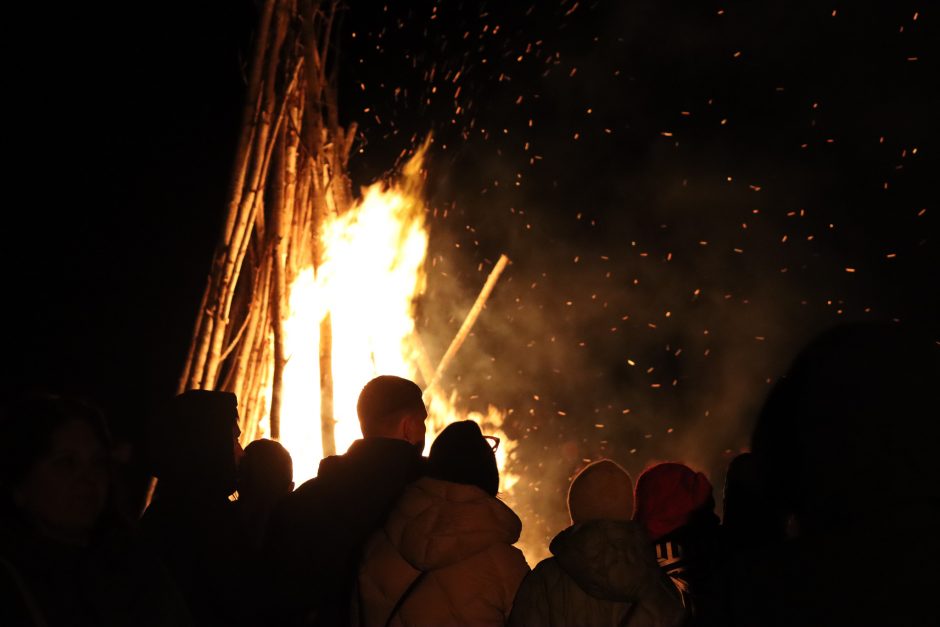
[493,441]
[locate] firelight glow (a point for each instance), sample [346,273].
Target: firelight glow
[371,275]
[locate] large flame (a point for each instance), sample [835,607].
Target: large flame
[371,276]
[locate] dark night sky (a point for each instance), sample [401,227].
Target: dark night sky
[679,184]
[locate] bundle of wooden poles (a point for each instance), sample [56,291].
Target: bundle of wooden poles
[289,177]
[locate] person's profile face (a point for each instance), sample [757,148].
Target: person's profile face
[417,429]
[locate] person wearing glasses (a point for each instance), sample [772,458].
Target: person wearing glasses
[445,555]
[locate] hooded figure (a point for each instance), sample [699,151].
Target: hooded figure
[445,555]
[603,570]
[195,451]
[193,444]
[66,555]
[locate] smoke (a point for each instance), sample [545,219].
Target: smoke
[607,352]
[686,198]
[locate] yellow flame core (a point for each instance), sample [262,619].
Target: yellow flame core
[300,396]
[371,274]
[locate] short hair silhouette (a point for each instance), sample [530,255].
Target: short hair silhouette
[266,471]
[382,402]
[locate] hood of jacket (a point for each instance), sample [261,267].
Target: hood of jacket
[438,523]
[608,559]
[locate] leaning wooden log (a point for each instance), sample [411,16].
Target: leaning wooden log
[279,304]
[249,118]
[256,319]
[468,322]
[200,320]
[233,251]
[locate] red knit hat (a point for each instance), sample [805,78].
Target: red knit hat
[666,496]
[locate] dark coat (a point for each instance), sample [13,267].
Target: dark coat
[602,572]
[847,441]
[113,582]
[197,538]
[317,533]
[190,524]
[881,568]
[693,556]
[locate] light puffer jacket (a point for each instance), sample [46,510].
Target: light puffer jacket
[462,539]
[603,572]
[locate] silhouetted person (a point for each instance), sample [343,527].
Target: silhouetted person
[445,555]
[847,442]
[675,506]
[195,451]
[65,557]
[316,534]
[751,521]
[265,476]
[752,525]
[603,570]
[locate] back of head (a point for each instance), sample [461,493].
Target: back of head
[382,401]
[602,490]
[192,442]
[266,471]
[750,517]
[668,496]
[851,420]
[461,454]
[743,489]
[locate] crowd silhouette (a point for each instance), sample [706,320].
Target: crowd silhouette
[832,518]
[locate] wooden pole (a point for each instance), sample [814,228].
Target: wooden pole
[279,304]
[468,322]
[200,319]
[327,419]
[234,251]
[206,323]
[249,118]
[283,214]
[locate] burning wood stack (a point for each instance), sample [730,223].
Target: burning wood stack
[289,176]
[311,292]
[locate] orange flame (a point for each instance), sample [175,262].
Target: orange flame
[371,275]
